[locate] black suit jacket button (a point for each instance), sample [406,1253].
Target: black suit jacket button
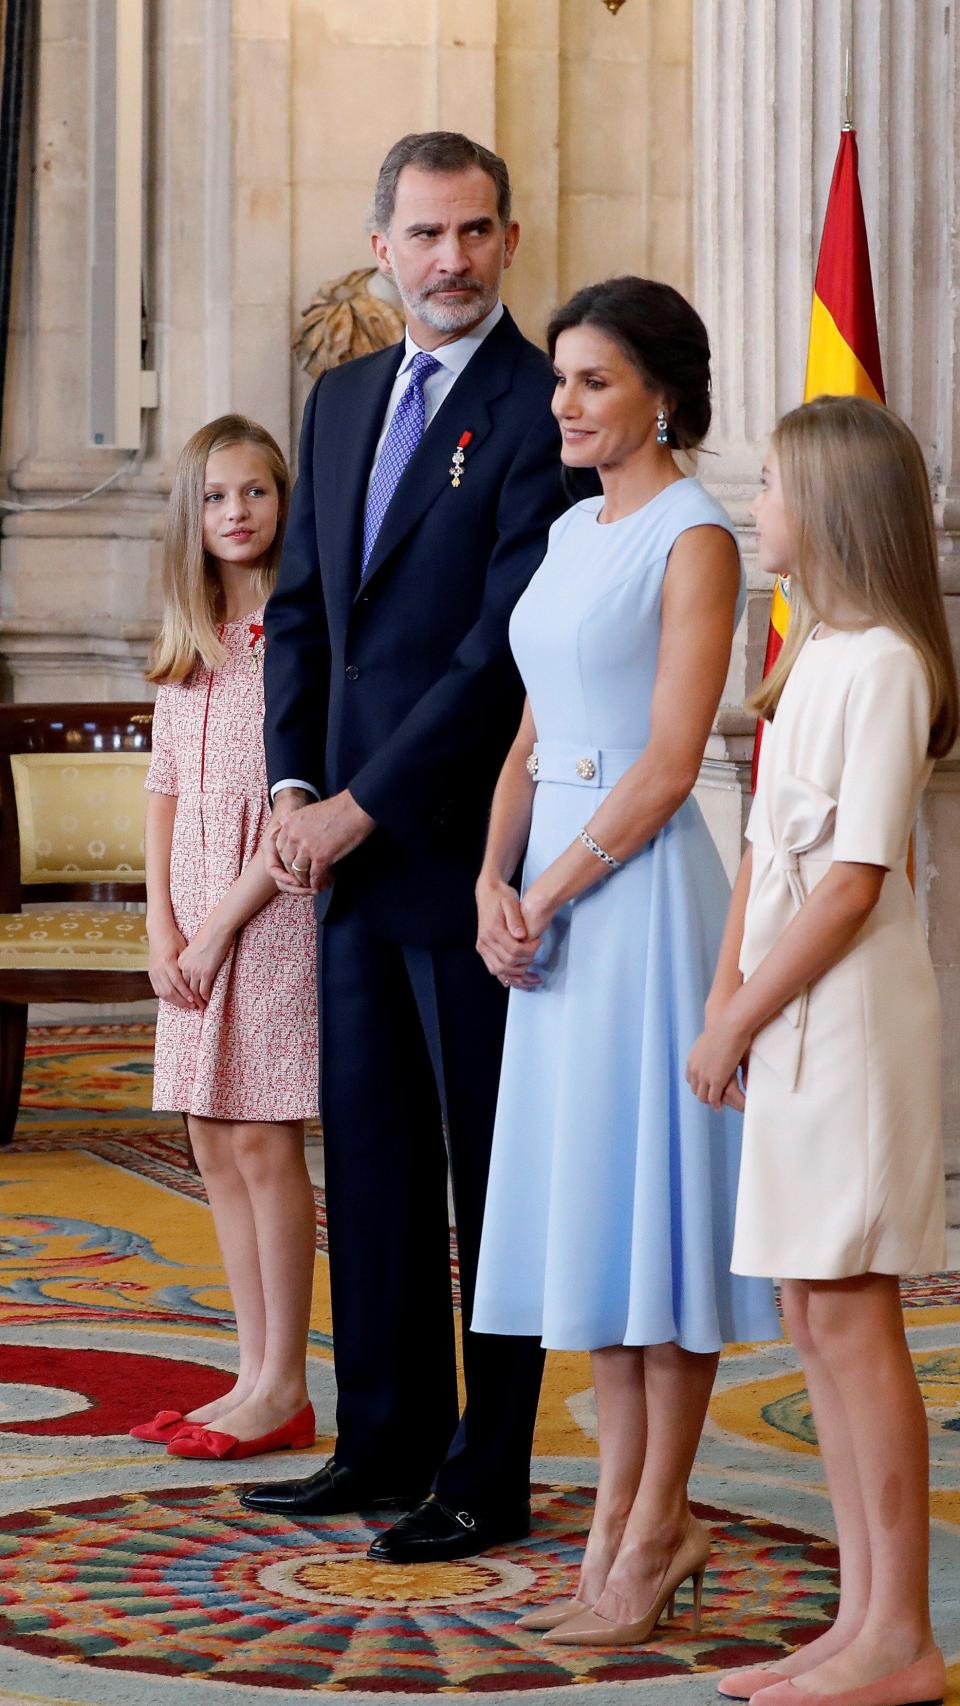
[351,672]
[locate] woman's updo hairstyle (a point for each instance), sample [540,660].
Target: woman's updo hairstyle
[664,337]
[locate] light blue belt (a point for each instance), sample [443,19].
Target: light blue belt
[581,766]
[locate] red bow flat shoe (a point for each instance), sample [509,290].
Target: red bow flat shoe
[295,1435]
[165,1426]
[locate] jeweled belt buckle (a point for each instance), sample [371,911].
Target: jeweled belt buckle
[533,764]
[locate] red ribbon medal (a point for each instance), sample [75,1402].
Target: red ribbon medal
[456,466]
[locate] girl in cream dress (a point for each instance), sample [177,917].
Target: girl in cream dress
[825,996]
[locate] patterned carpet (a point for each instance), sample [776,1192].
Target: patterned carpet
[129,1577]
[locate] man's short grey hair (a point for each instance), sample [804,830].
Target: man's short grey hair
[436,151]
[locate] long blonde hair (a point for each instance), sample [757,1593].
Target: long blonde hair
[856,488]
[192,594]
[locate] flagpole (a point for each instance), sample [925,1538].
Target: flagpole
[847,120]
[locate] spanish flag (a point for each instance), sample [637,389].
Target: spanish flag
[843,355]
[843,352]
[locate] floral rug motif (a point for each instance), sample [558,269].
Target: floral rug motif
[219,1592]
[127,1576]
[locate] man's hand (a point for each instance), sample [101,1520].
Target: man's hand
[310,839]
[288,800]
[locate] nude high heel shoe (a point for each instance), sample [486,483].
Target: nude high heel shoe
[548,1616]
[593,1630]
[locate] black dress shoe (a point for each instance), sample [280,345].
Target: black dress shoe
[333,1488]
[435,1531]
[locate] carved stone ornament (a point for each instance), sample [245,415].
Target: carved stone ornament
[347,317]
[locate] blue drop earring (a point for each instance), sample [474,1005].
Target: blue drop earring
[661,426]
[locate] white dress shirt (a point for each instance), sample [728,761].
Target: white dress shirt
[453,358]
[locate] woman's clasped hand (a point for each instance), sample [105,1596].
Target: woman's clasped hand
[510,932]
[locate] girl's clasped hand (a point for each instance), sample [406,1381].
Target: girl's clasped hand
[201,958]
[716,1060]
[182,972]
[169,984]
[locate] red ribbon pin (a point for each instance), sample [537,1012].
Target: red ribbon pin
[456,466]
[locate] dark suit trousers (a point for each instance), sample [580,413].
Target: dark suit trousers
[411,1043]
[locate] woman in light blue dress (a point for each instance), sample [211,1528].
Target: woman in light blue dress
[610,1206]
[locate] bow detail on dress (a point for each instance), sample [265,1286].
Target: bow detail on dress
[802,818]
[803,812]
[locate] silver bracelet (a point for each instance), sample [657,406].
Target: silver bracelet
[597,850]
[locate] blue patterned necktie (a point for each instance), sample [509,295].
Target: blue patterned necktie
[403,435]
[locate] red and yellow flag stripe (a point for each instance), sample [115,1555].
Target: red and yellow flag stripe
[843,350]
[776,634]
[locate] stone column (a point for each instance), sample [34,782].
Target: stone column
[255,173]
[62,569]
[79,585]
[768,106]
[528,137]
[218,188]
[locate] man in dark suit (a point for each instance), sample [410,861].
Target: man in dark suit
[429,475]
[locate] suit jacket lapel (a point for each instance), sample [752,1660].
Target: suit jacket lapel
[464,409]
[346,471]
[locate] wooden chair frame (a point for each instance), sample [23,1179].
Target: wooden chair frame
[122,727]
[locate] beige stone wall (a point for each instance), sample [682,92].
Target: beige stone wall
[594,115]
[592,112]
[267,120]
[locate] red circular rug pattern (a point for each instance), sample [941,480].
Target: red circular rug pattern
[121,1388]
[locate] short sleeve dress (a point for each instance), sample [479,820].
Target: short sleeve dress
[251,1054]
[842,1169]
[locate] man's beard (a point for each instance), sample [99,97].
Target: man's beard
[449,316]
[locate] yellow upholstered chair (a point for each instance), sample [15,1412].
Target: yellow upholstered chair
[71,829]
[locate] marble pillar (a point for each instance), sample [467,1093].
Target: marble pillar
[769,101]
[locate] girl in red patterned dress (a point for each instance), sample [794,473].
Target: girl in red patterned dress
[231,960]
